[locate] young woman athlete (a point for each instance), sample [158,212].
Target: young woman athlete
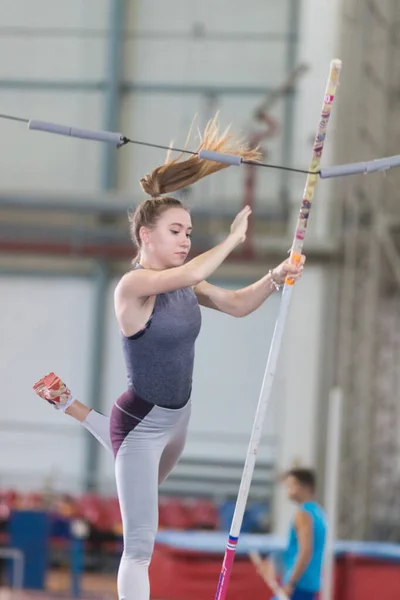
[157,306]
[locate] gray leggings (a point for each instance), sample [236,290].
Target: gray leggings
[146,449]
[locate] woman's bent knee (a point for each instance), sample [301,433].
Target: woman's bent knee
[139,544]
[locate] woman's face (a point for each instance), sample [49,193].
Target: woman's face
[168,242]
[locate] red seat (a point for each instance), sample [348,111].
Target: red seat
[91,508]
[10,498]
[173,514]
[31,501]
[203,515]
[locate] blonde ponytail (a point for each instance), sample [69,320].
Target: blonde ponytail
[176,174]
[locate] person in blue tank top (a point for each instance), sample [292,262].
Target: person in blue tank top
[157,309]
[303,558]
[300,566]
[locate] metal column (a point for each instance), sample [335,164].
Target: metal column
[108,182]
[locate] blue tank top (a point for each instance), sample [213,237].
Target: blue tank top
[311,578]
[160,358]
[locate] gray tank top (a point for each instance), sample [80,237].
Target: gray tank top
[159,358]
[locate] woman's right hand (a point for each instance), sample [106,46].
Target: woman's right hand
[240,224]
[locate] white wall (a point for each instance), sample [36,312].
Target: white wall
[34,37]
[90,14]
[45,325]
[38,161]
[304,354]
[68,42]
[201,61]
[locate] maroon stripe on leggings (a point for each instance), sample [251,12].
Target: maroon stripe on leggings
[122,423]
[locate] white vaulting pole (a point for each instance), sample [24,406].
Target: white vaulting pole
[265,393]
[331,487]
